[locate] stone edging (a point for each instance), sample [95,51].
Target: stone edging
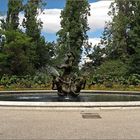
[70,104]
[82,91]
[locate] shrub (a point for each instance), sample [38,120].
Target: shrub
[134,79]
[110,72]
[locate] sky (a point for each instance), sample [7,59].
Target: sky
[51,18]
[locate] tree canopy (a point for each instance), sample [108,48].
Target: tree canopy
[74,26]
[115,59]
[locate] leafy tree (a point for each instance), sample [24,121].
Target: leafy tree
[134,39]
[121,41]
[115,36]
[12,19]
[51,53]
[31,24]
[112,69]
[97,56]
[33,29]
[17,54]
[121,35]
[72,35]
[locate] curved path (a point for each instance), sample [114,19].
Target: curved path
[43,124]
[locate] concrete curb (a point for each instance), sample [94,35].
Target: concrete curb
[70,104]
[28,91]
[82,91]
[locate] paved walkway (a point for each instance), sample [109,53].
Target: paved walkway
[47,124]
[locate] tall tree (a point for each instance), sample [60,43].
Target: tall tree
[12,19]
[121,36]
[17,52]
[30,22]
[115,36]
[134,38]
[72,35]
[33,29]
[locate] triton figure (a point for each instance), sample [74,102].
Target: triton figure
[68,83]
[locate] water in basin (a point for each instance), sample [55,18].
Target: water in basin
[83,97]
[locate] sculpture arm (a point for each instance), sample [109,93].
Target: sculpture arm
[62,66]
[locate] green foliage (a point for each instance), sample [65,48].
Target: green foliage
[17,55]
[72,35]
[33,29]
[113,68]
[12,19]
[109,72]
[113,72]
[5,80]
[115,36]
[121,42]
[115,60]
[41,78]
[134,79]
[97,56]
[23,53]
[121,37]
[32,25]
[28,81]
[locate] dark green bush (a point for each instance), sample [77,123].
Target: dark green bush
[24,81]
[134,79]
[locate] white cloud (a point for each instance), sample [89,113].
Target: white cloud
[51,20]
[94,41]
[51,17]
[2,17]
[0,22]
[21,17]
[99,14]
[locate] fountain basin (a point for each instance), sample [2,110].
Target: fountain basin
[85,99]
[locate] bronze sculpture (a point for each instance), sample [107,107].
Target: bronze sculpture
[68,83]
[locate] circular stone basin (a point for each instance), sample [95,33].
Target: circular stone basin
[83,97]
